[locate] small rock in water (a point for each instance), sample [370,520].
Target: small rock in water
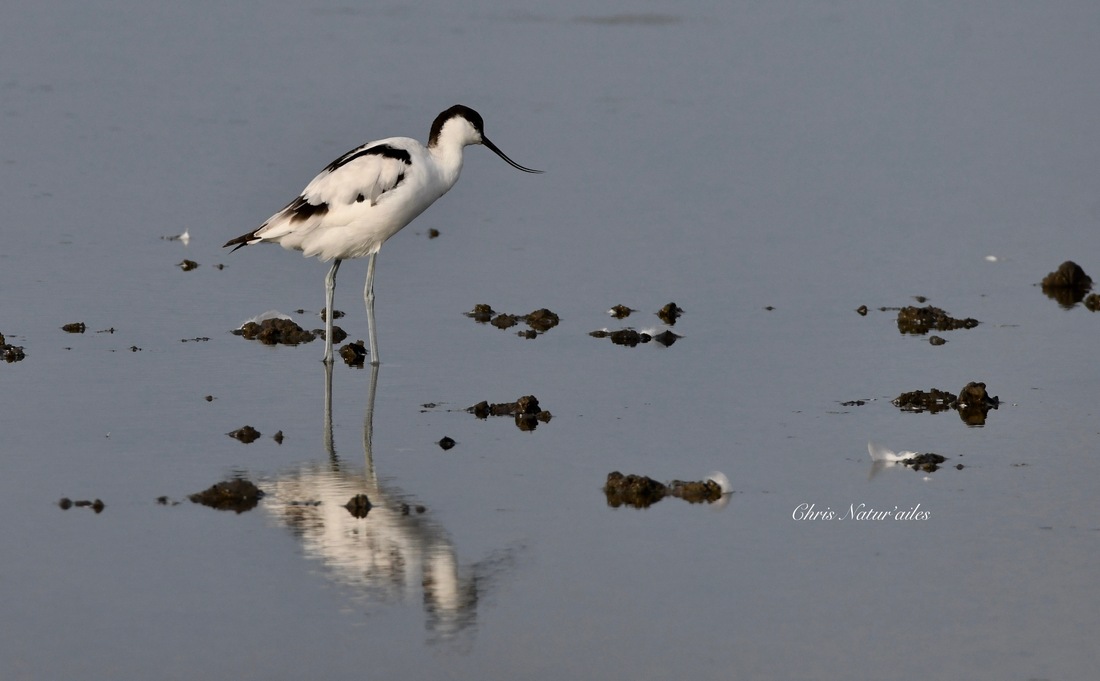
[641,491]
[620,311]
[67,503]
[481,313]
[1068,275]
[10,353]
[921,320]
[359,506]
[1067,285]
[280,331]
[929,462]
[670,313]
[540,321]
[934,400]
[526,410]
[638,491]
[354,354]
[246,434]
[973,403]
[237,495]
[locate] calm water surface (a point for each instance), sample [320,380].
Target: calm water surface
[810,159]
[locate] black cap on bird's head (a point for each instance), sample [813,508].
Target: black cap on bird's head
[478,123]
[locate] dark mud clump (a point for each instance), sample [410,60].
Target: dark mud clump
[975,394]
[936,340]
[921,320]
[640,491]
[929,463]
[354,354]
[526,411]
[232,495]
[973,402]
[1092,302]
[631,338]
[918,401]
[278,437]
[505,321]
[1068,275]
[336,314]
[338,334]
[620,311]
[1067,285]
[66,503]
[862,310]
[481,313]
[540,321]
[11,353]
[703,491]
[187,265]
[278,331]
[446,443]
[75,327]
[359,506]
[633,490]
[246,434]
[670,313]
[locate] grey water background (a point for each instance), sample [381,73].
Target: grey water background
[810,157]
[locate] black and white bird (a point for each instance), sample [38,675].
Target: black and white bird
[367,195]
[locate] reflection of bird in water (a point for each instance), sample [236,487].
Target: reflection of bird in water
[394,553]
[368,195]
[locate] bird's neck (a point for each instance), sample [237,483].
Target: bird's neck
[448,159]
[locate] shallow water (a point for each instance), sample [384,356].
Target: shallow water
[730,159]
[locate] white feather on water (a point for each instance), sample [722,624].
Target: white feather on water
[880,453]
[720,478]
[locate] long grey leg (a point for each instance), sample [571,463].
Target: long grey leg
[368,297]
[368,425]
[330,288]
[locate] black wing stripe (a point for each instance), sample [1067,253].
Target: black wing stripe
[383,150]
[301,210]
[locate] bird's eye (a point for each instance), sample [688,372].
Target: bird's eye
[360,198]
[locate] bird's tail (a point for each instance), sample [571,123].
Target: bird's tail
[242,240]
